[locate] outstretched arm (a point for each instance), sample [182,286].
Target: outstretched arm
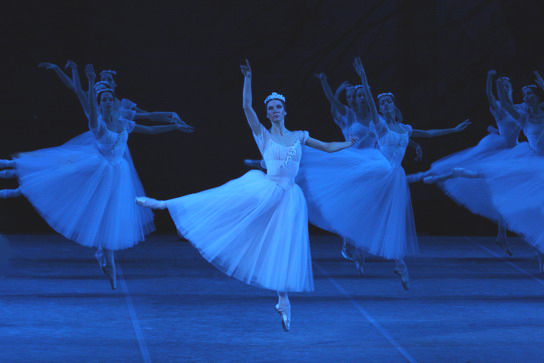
[63,77]
[94,123]
[251,116]
[440,132]
[76,86]
[330,147]
[334,101]
[489,91]
[506,103]
[379,125]
[154,130]
[539,80]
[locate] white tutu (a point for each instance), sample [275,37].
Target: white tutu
[515,178]
[473,193]
[360,195]
[254,228]
[86,193]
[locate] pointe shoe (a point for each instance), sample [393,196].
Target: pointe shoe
[359,260]
[256,164]
[402,271]
[151,203]
[503,243]
[540,262]
[10,193]
[100,258]
[6,163]
[8,174]
[414,178]
[285,313]
[111,274]
[346,252]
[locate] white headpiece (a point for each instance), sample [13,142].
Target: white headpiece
[386,94]
[274,96]
[101,85]
[108,71]
[532,86]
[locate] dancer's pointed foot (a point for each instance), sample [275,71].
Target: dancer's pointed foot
[359,260]
[540,259]
[111,274]
[464,173]
[414,178]
[100,258]
[285,312]
[256,164]
[10,193]
[402,270]
[8,173]
[502,242]
[346,251]
[151,203]
[6,163]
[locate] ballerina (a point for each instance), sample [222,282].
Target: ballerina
[363,195]
[515,175]
[353,119]
[107,81]
[457,174]
[85,190]
[255,228]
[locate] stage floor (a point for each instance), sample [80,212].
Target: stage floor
[467,303]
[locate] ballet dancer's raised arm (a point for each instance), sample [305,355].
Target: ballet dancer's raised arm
[333,99]
[505,101]
[247,100]
[489,90]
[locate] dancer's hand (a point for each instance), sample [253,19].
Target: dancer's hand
[492,72]
[539,79]
[70,64]
[463,125]
[185,128]
[493,130]
[46,65]
[89,70]
[419,154]
[358,65]
[246,69]
[321,76]
[353,140]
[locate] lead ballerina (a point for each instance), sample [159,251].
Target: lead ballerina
[255,228]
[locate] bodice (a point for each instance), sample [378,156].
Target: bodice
[282,161]
[533,128]
[352,127]
[508,126]
[393,144]
[112,144]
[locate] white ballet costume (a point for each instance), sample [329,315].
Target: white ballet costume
[254,228]
[473,193]
[361,193]
[85,188]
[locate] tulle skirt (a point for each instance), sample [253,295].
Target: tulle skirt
[83,196]
[359,195]
[252,229]
[471,193]
[515,178]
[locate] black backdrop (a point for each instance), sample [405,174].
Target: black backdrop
[184,56]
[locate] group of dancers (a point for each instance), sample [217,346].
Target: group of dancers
[255,228]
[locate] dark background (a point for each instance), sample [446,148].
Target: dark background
[184,56]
